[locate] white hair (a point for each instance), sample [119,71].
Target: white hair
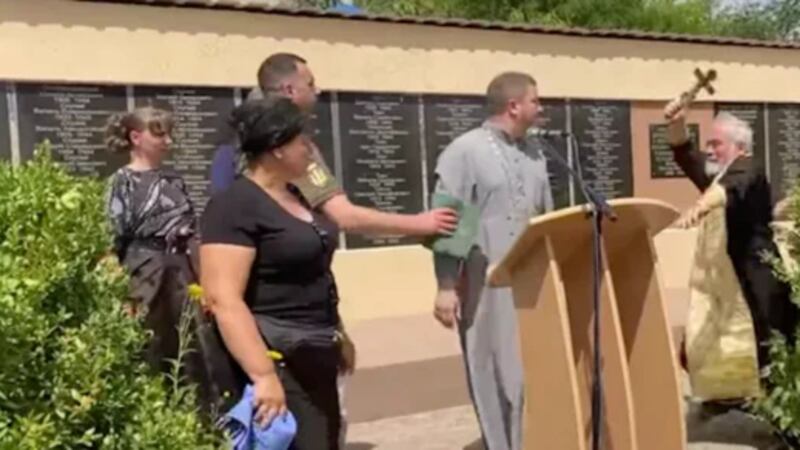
[737,131]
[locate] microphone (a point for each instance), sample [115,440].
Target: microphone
[541,132]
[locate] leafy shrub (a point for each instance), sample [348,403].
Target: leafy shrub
[72,374]
[781,404]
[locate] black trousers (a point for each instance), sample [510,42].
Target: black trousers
[308,376]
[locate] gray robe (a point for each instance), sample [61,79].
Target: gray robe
[509,184]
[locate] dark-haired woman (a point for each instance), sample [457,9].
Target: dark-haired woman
[266,272]
[154,223]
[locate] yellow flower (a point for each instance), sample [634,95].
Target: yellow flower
[195,292]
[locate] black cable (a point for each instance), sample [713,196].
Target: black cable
[597,390]
[578,164]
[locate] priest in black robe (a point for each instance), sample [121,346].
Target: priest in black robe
[733,214]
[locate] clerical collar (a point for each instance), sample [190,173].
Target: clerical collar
[501,133]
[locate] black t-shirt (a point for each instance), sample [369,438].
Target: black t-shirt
[291,275]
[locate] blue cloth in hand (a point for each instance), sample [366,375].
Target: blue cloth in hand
[246,434]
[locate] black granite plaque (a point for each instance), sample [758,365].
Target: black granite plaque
[5,138]
[603,131]
[753,114]
[381,156]
[554,117]
[784,148]
[73,118]
[201,116]
[446,118]
[662,163]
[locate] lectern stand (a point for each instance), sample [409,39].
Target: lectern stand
[550,272]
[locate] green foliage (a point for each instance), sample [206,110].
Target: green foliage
[71,372]
[776,19]
[781,404]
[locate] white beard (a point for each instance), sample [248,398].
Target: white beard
[712,168]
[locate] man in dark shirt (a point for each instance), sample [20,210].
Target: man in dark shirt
[288,75]
[735,187]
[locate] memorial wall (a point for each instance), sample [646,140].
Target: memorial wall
[383,146]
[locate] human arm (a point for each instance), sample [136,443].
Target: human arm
[362,220]
[782,209]
[119,212]
[546,198]
[224,279]
[447,305]
[713,197]
[187,230]
[455,179]
[688,158]
[348,350]
[321,190]
[743,191]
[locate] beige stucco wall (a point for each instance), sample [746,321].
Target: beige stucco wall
[67,40]
[90,42]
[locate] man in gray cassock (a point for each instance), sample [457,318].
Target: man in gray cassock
[503,175]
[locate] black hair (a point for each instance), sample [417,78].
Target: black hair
[266,124]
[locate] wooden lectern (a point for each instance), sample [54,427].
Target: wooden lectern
[550,272]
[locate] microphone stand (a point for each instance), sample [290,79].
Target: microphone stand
[599,209]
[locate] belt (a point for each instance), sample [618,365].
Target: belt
[158,245]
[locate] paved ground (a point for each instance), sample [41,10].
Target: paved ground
[456,429]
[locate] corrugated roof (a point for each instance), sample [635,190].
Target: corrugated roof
[273,7]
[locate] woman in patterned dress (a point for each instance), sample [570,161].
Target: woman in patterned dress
[154,226]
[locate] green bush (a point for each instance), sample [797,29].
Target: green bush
[781,404]
[72,374]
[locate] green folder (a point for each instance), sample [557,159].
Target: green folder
[460,242]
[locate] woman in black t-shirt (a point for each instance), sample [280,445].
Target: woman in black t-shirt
[266,272]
